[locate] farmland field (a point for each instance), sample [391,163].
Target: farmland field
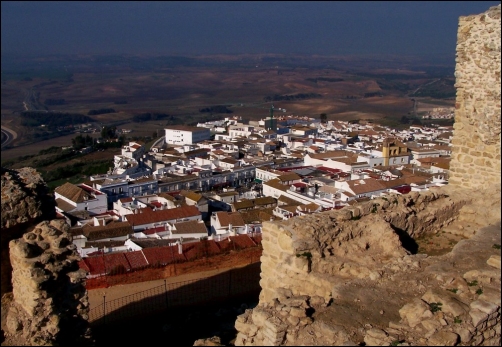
[344,89]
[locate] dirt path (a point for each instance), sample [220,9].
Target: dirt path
[174,274]
[118,291]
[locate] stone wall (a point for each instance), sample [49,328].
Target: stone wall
[309,254]
[417,300]
[476,135]
[349,277]
[26,201]
[44,299]
[49,303]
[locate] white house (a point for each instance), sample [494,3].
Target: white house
[149,219]
[225,224]
[72,198]
[182,134]
[240,129]
[186,230]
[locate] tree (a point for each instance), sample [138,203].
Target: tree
[324,117]
[108,132]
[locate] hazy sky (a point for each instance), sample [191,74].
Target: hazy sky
[422,28]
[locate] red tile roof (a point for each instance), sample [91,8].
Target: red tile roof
[136,260]
[116,262]
[96,265]
[148,217]
[242,241]
[163,255]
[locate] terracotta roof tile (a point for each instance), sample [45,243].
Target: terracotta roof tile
[163,215]
[110,230]
[63,205]
[116,262]
[190,227]
[226,218]
[136,259]
[72,192]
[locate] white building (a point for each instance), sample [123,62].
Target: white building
[73,198]
[182,134]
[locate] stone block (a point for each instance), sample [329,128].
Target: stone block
[444,338]
[484,306]
[478,317]
[285,243]
[292,320]
[494,261]
[413,311]
[260,316]
[298,312]
[297,301]
[464,335]
[248,329]
[449,304]
[431,324]
[377,337]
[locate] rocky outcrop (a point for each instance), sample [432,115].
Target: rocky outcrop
[25,202]
[44,299]
[49,303]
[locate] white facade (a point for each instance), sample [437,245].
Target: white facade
[240,130]
[186,135]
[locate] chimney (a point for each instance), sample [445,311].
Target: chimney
[180,247]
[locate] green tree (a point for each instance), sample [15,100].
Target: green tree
[109,132]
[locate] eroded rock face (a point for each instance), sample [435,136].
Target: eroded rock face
[49,303]
[25,202]
[25,197]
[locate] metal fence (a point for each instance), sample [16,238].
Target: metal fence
[228,285]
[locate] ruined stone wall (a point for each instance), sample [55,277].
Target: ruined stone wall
[476,136]
[49,303]
[439,302]
[44,299]
[25,202]
[308,254]
[344,277]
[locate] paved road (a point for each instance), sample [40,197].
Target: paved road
[8,135]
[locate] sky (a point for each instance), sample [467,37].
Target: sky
[403,28]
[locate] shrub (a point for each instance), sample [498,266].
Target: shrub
[435,306]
